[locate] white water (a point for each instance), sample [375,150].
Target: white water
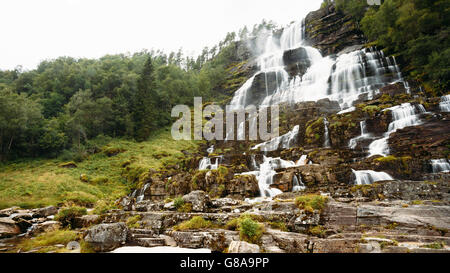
[440,165]
[282,142]
[445,103]
[267,171]
[403,116]
[210,163]
[364,134]
[368,177]
[326,135]
[343,78]
[297,184]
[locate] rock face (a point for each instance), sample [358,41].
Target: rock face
[106,237]
[243,247]
[331,31]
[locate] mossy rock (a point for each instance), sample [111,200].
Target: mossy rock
[68,165]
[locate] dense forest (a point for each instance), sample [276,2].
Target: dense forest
[64,105]
[415,30]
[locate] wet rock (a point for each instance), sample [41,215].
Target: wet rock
[106,237]
[243,247]
[7,212]
[45,227]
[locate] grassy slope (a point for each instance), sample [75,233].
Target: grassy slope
[40,182]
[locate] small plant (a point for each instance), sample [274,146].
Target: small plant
[67,215]
[278,225]
[186,207]
[178,202]
[318,231]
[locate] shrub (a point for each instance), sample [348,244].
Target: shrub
[67,215]
[250,230]
[311,202]
[196,222]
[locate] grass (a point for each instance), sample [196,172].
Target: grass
[435,245]
[133,221]
[196,222]
[311,202]
[47,241]
[41,182]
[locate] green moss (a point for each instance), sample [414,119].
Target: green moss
[133,221]
[278,225]
[186,207]
[178,202]
[435,245]
[318,231]
[371,110]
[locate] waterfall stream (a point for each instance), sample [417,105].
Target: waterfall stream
[368,177]
[440,165]
[404,115]
[445,104]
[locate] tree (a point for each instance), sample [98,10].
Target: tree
[145,109]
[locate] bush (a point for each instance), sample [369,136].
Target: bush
[67,215]
[196,222]
[311,202]
[250,230]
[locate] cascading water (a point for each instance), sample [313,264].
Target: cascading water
[404,115]
[326,135]
[364,135]
[343,78]
[210,163]
[267,171]
[297,184]
[445,103]
[440,165]
[281,142]
[369,177]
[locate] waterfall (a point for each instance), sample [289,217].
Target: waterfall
[354,141]
[282,142]
[266,172]
[326,143]
[210,150]
[141,195]
[297,183]
[368,177]
[440,165]
[445,103]
[341,78]
[404,115]
[207,163]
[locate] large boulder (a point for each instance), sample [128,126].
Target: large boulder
[45,212]
[106,237]
[199,200]
[8,228]
[243,247]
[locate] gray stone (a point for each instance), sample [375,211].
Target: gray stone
[198,199]
[8,228]
[243,247]
[106,237]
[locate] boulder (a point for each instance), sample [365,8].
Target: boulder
[45,212]
[45,227]
[86,221]
[243,247]
[106,237]
[199,200]
[8,228]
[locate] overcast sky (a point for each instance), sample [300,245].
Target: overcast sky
[34,30]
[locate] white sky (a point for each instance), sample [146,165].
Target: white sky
[34,30]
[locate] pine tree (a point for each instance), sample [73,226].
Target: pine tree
[146,102]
